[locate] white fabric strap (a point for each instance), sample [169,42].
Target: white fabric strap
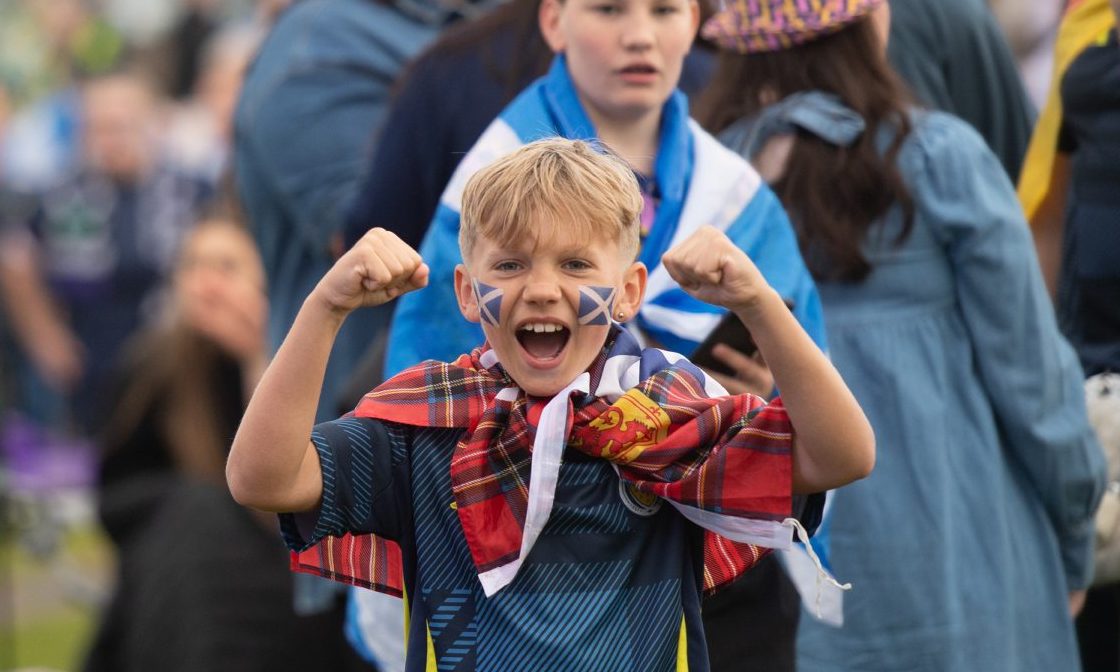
[620,373]
[805,569]
[544,473]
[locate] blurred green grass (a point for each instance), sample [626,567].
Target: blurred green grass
[52,604]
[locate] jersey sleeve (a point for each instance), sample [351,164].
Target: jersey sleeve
[361,484]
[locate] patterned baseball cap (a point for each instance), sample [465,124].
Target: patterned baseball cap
[753,26]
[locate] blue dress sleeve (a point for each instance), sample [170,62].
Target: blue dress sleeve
[427,323]
[1031,375]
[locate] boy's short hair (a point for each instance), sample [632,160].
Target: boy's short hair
[553,180]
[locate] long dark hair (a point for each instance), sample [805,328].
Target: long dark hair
[183,380]
[833,194]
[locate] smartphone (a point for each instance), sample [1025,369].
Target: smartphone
[732,332]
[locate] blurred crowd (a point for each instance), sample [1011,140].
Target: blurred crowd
[162,219]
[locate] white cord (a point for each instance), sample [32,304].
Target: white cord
[803,537]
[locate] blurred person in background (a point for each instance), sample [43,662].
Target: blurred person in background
[78,278]
[46,46]
[199,132]
[955,58]
[1030,27]
[970,546]
[1071,192]
[190,37]
[203,584]
[446,99]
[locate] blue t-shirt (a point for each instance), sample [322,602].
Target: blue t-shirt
[611,584]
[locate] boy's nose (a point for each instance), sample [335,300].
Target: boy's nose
[542,290]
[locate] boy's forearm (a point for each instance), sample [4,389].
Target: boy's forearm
[834,443]
[272,465]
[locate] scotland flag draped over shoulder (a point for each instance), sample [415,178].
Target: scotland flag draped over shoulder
[700,183]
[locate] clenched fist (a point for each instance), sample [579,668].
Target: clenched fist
[709,267]
[379,268]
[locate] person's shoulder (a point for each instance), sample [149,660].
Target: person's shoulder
[313,15]
[707,144]
[939,138]
[327,30]
[721,168]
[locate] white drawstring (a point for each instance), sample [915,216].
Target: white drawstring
[803,537]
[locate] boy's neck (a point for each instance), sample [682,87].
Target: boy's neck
[635,140]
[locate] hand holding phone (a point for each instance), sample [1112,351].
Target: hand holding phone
[733,333]
[730,331]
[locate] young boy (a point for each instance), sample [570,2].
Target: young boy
[541,488]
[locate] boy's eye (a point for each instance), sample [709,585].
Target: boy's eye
[507,266]
[662,10]
[608,10]
[577,265]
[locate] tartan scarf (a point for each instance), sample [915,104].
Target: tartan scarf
[670,432]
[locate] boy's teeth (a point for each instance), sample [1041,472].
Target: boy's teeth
[542,328]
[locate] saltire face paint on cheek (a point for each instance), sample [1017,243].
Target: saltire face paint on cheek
[489,302]
[595,305]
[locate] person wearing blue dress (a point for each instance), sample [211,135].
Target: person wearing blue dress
[971,540]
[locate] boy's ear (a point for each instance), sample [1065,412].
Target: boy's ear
[632,291]
[548,17]
[464,292]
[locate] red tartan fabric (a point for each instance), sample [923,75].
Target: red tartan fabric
[728,455]
[362,560]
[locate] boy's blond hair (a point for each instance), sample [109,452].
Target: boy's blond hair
[553,182]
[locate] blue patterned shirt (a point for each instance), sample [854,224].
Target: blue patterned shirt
[611,584]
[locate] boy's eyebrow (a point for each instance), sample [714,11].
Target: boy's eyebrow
[533,246]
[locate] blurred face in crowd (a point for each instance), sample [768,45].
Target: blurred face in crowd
[219,287]
[60,19]
[119,127]
[625,56]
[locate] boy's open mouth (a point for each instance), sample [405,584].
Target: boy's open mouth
[543,340]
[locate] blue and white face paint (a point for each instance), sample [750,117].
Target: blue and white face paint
[489,302]
[595,305]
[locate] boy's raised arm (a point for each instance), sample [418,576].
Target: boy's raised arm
[833,441]
[273,465]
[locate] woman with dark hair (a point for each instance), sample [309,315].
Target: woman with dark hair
[203,584]
[970,544]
